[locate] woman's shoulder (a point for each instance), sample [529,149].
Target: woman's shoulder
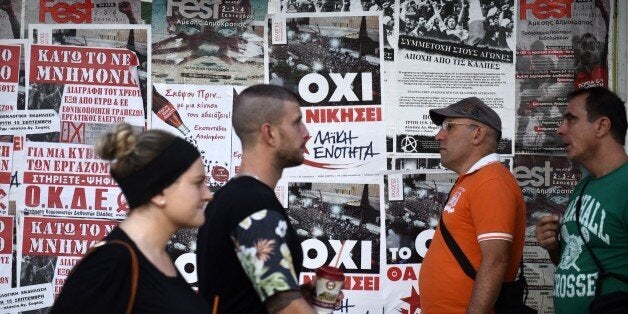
[108,259]
[108,262]
[99,282]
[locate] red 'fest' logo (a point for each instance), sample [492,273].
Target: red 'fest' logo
[61,12]
[544,9]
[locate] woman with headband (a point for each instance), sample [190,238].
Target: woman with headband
[163,180]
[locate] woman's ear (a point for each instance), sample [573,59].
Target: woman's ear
[159,199]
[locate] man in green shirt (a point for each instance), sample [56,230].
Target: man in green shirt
[593,132]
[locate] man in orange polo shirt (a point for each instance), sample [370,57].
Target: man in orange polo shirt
[485,215]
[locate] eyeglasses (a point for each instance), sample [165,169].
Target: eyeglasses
[448,125]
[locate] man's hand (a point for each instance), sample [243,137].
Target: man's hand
[308,289]
[546,232]
[288,302]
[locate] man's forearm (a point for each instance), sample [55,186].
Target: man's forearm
[488,282]
[288,302]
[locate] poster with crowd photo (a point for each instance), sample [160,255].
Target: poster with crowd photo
[450,50]
[81,12]
[318,6]
[63,179]
[389,38]
[50,247]
[10,19]
[208,42]
[546,182]
[332,62]
[6,252]
[558,50]
[338,224]
[413,202]
[387,7]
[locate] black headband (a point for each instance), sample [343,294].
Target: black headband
[163,170]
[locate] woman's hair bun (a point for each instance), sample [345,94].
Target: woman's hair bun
[117,143]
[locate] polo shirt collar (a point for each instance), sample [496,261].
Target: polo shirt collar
[484,161]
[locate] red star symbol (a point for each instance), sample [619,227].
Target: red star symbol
[414,300]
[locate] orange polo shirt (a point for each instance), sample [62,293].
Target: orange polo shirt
[485,204]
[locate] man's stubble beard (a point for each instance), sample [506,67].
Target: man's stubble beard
[288,159]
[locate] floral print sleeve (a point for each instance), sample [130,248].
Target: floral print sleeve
[261,246]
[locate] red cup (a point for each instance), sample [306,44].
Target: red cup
[329,282]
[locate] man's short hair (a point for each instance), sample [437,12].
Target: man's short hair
[256,105]
[601,102]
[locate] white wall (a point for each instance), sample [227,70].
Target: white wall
[618,81]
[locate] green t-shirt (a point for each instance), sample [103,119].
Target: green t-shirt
[604,221]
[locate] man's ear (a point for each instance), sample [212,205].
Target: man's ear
[268,134]
[603,127]
[478,135]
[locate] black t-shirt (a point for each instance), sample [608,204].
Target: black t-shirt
[220,273]
[101,283]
